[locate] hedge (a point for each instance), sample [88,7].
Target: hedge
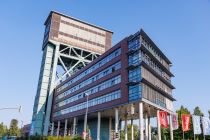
[49,138]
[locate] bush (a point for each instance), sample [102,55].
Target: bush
[77,137]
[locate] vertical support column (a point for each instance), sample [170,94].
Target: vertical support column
[146,126]
[132,133]
[52,86]
[58,129]
[99,126]
[110,128]
[171,128]
[65,127]
[85,125]
[74,126]
[126,128]
[52,129]
[116,120]
[149,129]
[141,122]
[158,125]
[69,131]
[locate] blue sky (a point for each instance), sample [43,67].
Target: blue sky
[181,29]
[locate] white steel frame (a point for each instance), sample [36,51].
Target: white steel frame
[81,57]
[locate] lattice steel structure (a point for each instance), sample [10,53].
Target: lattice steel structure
[69,44]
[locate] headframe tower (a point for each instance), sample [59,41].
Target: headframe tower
[68,45]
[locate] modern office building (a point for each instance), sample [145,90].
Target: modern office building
[130,81]
[68,45]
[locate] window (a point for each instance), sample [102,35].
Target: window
[99,100]
[91,79]
[116,53]
[93,90]
[113,69]
[135,75]
[105,72]
[99,88]
[153,96]
[91,69]
[134,43]
[134,92]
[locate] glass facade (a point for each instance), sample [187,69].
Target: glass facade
[151,49]
[134,74]
[92,90]
[92,68]
[144,81]
[153,96]
[154,66]
[90,80]
[134,44]
[155,81]
[96,101]
[109,83]
[134,92]
[135,58]
[138,56]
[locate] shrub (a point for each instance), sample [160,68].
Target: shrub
[77,137]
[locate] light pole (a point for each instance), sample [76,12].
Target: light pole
[12,108]
[85,124]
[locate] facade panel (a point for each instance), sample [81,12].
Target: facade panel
[74,32]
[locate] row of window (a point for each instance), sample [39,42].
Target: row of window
[134,44]
[160,103]
[97,88]
[136,57]
[82,28]
[151,49]
[135,75]
[92,79]
[100,100]
[155,81]
[92,68]
[154,66]
[153,96]
[134,92]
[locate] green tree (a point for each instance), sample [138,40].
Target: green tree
[135,128]
[209,114]
[197,111]
[14,130]
[178,133]
[3,130]
[208,137]
[165,134]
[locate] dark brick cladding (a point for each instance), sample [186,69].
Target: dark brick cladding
[124,80]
